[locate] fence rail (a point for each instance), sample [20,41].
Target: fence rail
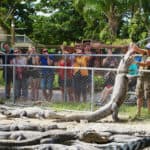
[93,85]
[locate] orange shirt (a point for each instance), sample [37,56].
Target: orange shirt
[81,61]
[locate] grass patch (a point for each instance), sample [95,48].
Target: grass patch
[71,106]
[131,112]
[78,106]
[1,78]
[2,101]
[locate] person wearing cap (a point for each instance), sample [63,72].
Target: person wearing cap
[143,82]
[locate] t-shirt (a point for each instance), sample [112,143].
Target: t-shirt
[20,71]
[133,69]
[43,62]
[81,61]
[61,72]
[6,59]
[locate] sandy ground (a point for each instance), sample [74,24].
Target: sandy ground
[106,124]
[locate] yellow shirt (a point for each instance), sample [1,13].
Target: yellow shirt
[81,61]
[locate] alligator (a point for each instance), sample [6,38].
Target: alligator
[118,95]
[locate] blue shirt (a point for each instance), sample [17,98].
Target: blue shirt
[43,62]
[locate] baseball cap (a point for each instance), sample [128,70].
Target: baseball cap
[147,46]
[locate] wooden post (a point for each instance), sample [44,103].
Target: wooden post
[12,32]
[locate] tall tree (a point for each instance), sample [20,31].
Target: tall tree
[64,23]
[20,11]
[110,11]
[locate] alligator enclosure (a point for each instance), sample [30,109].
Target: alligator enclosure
[36,128]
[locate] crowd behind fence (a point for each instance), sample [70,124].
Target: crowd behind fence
[62,84]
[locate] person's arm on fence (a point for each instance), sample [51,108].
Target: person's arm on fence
[139,50]
[144,64]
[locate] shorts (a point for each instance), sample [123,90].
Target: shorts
[47,82]
[143,86]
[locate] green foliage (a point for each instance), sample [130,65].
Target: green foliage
[64,23]
[98,82]
[137,29]
[55,83]
[2,101]
[1,78]
[131,112]
[106,35]
[20,11]
[122,41]
[72,20]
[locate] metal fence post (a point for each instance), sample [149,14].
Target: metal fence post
[92,90]
[5,75]
[14,84]
[65,79]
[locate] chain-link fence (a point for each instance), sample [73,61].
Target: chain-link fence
[69,78]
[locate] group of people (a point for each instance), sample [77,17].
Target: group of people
[74,82]
[32,71]
[31,76]
[78,80]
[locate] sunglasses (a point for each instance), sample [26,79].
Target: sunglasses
[44,51]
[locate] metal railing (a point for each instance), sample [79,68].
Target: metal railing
[93,94]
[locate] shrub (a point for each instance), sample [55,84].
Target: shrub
[55,83]
[1,78]
[98,82]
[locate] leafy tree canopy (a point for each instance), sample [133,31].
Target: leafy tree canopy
[72,20]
